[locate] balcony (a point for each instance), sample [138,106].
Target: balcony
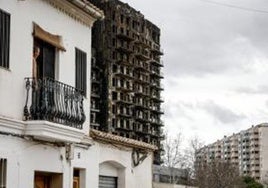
[157,122]
[143,42]
[141,106]
[141,66]
[157,50]
[142,118]
[156,85]
[143,55]
[95,80]
[122,101]
[124,49]
[157,98]
[53,110]
[124,114]
[123,88]
[95,93]
[124,74]
[157,110]
[157,73]
[124,127]
[124,34]
[159,63]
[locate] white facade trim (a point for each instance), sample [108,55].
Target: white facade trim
[54,132]
[11,126]
[78,10]
[43,130]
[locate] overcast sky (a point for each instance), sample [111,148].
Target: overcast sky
[216,64]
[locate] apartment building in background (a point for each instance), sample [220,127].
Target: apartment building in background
[248,150]
[126,75]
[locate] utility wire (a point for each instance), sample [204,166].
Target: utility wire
[237,7]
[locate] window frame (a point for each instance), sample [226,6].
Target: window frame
[3,172]
[5,35]
[81,71]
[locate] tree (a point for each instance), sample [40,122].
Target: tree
[173,155]
[218,174]
[190,155]
[172,148]
[251,183]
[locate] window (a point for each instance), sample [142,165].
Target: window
[5,37]
[3,172]
[122,18]
[81,71]
[114,95]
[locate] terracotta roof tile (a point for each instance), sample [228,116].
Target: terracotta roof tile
[103,136]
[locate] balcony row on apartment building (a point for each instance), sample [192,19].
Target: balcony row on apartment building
[127,56]
[50,93]
[248,150]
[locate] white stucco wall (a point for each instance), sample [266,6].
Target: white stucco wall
[74,34]
[128,175]
[166,185]
[24,157]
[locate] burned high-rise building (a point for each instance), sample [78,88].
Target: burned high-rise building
[126,75]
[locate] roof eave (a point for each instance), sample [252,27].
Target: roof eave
[127,142]
[89,8]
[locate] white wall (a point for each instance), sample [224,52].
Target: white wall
[24,157]
[128,175]
[74,34]
[166,185]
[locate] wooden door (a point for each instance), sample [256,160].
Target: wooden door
[41,181]
[76,182]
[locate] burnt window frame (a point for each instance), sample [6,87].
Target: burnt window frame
[5,19]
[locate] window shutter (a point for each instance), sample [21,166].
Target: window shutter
[81,70]
[3,172]
[5,39]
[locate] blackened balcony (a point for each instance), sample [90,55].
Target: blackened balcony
[142,55]
[124,34]
[124,49]
[53,101]
[143,42]
[157,62]
[157,73]
[157,50]
[124,74]
[157,85]
[157,110]
[141,66]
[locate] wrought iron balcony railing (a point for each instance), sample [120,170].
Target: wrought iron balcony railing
[53,101]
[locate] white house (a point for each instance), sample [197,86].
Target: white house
[44,121]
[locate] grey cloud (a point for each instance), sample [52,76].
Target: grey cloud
[210,42]
[201,38]
[261,89]
[177,110]
[221,113]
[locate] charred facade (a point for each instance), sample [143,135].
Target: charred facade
[126,75]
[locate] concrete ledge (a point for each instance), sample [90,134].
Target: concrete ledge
[11,126]
[53,132]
